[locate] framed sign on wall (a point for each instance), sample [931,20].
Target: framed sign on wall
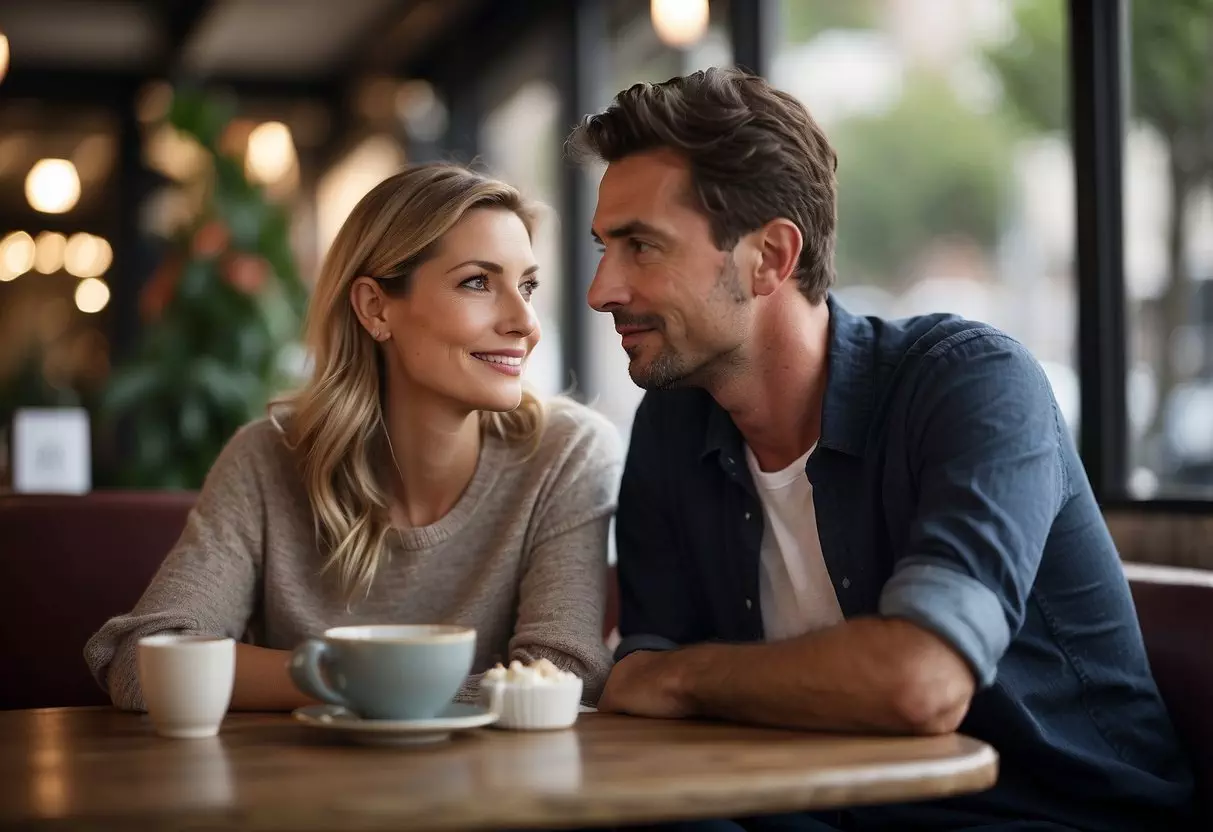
[51,452]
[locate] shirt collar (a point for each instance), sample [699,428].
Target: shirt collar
[847,411]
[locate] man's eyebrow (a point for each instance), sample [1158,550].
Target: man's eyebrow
[629,229]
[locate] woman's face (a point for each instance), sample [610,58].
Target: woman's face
[465,327]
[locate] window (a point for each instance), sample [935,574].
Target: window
[1168,248]
[954,166]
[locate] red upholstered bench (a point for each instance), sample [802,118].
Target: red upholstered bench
[1175,608]
[67,564]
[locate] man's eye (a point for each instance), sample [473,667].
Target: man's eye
[640,246]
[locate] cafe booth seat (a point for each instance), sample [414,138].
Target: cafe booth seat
[1175,608]
[70,563]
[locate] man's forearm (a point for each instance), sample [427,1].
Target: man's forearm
[869,674]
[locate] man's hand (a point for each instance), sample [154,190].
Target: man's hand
[646,683]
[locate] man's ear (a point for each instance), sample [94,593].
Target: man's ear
[366,298]
[778,244]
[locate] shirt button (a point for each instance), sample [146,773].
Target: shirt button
[749,604]
[846,583]
[747,515]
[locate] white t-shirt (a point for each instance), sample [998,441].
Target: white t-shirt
[794,585]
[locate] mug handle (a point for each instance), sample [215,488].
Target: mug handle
[305,672]
[496,698]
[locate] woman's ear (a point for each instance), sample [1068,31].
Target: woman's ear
[779,244]
[367,300]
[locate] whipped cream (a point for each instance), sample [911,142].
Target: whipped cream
[541,672]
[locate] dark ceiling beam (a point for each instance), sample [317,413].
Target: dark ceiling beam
[400,32]
[178,22]
[461,52]
[463,57]
[95,218]
[389,41]
[68,86]
[105,88]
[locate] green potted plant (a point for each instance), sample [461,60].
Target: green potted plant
[220,310]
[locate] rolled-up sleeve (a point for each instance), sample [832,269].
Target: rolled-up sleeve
[987,443]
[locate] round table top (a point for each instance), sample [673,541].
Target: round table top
[266,771]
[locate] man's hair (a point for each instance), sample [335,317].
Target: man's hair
[754,152]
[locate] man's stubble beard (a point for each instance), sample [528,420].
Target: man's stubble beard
[668,370]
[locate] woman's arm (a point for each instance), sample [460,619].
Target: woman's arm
[207,583]
[263,682]
[562,602]
[562,594]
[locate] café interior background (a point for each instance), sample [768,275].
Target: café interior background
[172,172]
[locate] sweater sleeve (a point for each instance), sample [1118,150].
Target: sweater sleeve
[207,583]
[562,594]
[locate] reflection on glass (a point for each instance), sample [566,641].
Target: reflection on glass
[954,166]
[1168,222]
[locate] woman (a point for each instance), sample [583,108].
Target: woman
[413,479]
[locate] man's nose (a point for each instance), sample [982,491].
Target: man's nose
[608,289]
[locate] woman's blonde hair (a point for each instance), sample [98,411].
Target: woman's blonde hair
[335,421]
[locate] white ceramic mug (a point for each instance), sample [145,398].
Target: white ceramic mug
[187,683]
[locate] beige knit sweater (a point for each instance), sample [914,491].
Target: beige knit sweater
[521,557]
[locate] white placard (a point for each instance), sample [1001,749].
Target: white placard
[51,451]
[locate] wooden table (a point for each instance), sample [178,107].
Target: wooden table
[100,768]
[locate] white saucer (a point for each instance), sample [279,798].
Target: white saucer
[457,716]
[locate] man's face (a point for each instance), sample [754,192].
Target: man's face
[679,303]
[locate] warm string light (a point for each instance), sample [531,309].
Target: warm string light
[87,255]
[49,247]
[52,186]
[17,253]
[92,295]
[679,23]
[80,255]
[271,153]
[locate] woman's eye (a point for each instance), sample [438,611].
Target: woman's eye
[529,287]
[480,282]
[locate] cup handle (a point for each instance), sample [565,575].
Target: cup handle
[496,696]
[305,672]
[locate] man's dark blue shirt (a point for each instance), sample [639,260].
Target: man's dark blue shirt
[947,492]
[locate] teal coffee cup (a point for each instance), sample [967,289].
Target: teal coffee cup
[386,671]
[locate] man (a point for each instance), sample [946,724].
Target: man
[843,523]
